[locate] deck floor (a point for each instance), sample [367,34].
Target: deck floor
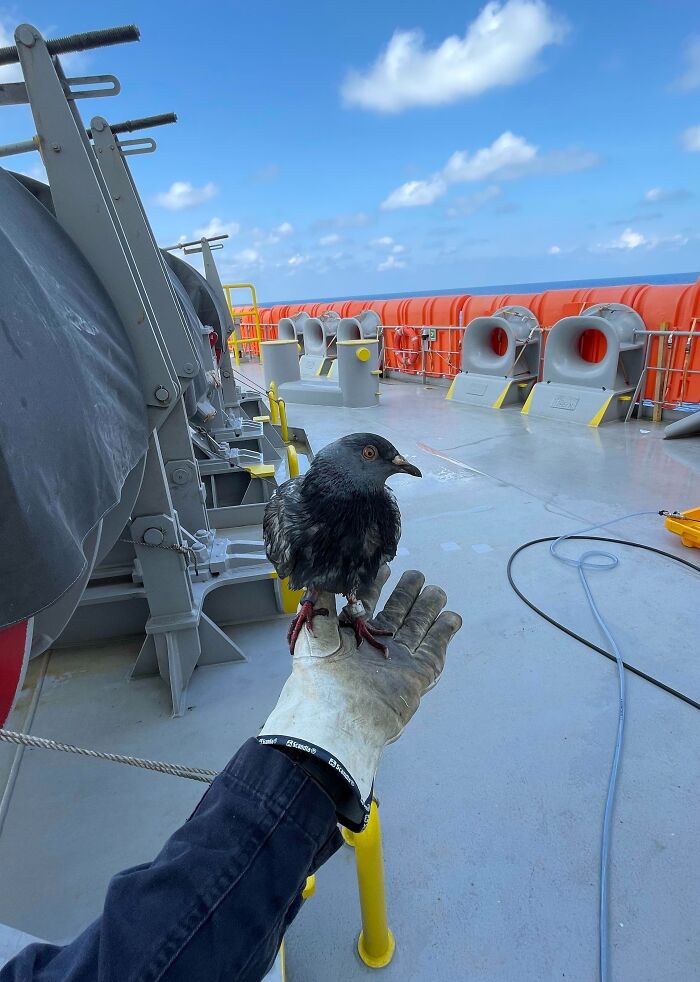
[492,801]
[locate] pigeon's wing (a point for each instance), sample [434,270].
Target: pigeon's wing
[281,513]
[390,529]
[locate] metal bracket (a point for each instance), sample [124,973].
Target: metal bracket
[71,93]
[144,144]
[84,208]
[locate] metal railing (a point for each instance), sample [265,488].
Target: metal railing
[249,344]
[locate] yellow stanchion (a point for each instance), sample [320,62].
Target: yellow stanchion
[284,429]
[292,461]
[274,407]
[375,944]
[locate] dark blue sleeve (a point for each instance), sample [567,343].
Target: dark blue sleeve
[216,901]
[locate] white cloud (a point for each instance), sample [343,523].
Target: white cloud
[690,79]
[182,194]
[391,262]
[415,194]
[217,227]
[398,248]
[655,196]
[284,229]
[690,139]
[507,158]
[554,250]
[383,242]
[500,47]
[329,240]
[248,259]
[628,240]
[297,260]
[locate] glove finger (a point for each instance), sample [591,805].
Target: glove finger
[369,595]
[433,649]
[400,602]
[421,617]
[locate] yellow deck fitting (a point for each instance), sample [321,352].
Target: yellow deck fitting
[363,354]
[451,388]
[689,530]
[261,470]
[375,944]
[309,887]
[289,598]
[282,410]
[292,461]
[274,408]
[261,419]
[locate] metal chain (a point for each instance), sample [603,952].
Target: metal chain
[177,770]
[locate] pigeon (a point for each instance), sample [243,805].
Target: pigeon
[332,528]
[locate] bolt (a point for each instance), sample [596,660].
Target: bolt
[162,394]
[188,368]
[153,537]
[117,197]
[226,374]
[180,475]
[56,147]
[98,124]
[26,36]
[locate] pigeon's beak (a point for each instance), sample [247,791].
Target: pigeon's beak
[401,464]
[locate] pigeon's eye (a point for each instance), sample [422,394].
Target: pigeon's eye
[370,453]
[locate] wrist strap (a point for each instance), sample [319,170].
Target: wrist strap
[352,811]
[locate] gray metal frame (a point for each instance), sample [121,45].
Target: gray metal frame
[167,554]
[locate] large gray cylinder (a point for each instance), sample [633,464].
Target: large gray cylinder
[365,325]
[292,328]
[280,361]
[358,372]
[518,326]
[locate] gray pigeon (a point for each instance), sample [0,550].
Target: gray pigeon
[331,529]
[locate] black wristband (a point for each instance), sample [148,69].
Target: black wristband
[351,811]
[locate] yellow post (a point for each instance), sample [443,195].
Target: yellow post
[292,461]
[284,429]
[274,407]
[375,944]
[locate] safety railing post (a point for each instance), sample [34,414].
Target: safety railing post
[375,944]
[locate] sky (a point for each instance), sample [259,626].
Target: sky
[369,148]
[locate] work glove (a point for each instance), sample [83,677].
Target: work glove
[342,704]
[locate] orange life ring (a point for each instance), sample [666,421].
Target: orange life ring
[409,341]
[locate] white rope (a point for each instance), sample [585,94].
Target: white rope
[177,770]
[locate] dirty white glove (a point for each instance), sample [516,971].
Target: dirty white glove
[343,704]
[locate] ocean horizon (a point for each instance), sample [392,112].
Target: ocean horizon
[656,279]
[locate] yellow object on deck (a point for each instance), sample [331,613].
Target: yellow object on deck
[292,461]
[260,470]
[687,525]
[375,944]
[284,429]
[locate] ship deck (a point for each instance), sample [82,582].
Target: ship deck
[492,801]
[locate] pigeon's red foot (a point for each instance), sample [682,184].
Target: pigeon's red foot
[363,632]
[305,615]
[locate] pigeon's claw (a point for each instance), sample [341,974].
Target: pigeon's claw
[305,616]
[363,632]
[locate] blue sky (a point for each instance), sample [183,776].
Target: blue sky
[405,146]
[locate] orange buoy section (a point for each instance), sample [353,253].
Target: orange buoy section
[673,360]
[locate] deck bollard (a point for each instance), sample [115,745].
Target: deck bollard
[375,944]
